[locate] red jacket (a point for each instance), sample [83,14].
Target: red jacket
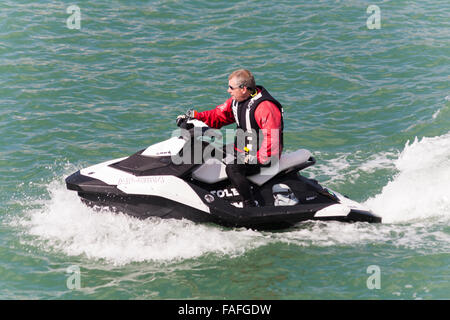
[267,116]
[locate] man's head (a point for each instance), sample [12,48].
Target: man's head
[241,84]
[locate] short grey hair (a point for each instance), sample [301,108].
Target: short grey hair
[243,78]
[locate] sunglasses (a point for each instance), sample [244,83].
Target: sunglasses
[232,88]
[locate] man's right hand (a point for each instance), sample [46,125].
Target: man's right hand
[181,118]
[190,114]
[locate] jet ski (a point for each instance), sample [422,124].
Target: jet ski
[153,182]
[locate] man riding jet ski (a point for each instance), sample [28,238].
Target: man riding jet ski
[168,180]
[259,119]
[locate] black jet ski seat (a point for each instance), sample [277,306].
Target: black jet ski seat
[213,170]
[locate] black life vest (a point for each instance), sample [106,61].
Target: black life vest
[244,114]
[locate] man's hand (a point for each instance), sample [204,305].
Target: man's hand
[246,158]
[250,159]
[180,119]
[191,113]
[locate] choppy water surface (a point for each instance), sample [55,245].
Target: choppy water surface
[373,105]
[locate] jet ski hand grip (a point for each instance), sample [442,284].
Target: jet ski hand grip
[182,122]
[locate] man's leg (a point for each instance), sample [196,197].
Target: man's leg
[237,175]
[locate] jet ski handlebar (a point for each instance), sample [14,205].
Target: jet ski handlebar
[197,127]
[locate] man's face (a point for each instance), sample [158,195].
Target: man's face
[238,94]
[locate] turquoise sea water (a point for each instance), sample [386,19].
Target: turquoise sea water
[373,105]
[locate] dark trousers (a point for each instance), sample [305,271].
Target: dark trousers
[237,174]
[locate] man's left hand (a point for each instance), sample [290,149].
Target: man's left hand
[191,113]
[250,159]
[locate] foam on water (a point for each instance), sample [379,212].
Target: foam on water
[421,236]
[421,188]
[65,224]
[414,205]
[347,167]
